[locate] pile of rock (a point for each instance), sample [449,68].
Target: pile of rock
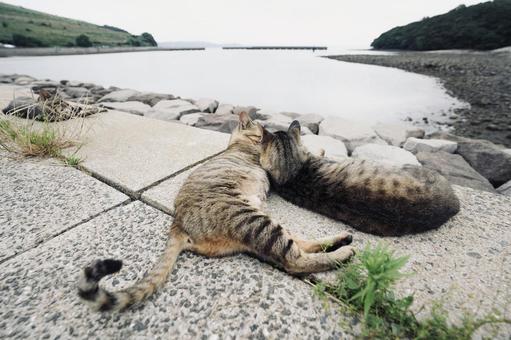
[467,162]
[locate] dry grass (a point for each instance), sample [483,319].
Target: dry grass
[29,138]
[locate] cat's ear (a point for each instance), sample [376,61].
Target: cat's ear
[294,129]
[267,136]
[245,121]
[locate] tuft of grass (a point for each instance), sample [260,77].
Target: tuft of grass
[365,287]
[28,138]
[73,160]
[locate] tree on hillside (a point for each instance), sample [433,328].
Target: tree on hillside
[484,26]
[83,41]
[148,38]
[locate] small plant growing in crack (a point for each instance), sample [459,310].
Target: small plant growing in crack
[365,288]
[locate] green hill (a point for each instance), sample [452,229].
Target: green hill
[27,28]
[484,26]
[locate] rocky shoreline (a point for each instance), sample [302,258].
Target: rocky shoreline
[478,164]
[483,79]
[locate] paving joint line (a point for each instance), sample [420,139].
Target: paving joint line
[85,220]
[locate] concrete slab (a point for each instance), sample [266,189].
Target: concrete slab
[132,152]
[42,198]
[163,195]
[465,264]
[204,298]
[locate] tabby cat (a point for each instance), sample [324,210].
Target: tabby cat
[367,196]
[218,213]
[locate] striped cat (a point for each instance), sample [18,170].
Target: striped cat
[367,196]
[218,213]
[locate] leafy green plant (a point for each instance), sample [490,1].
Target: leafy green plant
[365,286]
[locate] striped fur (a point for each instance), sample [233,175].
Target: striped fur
[218,213]
[369,197]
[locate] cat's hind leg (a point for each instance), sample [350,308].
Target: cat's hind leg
[325,244]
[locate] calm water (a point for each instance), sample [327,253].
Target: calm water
[297,81]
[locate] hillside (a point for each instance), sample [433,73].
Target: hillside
[481,27]
[28,28]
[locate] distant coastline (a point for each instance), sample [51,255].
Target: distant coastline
[51,51]
[483,79]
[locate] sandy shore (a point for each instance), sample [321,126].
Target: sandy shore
[481,79]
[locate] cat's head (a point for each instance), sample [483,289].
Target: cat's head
[283,154]
[247,132]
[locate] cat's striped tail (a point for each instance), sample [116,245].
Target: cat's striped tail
[102,300]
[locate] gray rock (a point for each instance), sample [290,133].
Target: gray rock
[455,169]
[119,96]
[24,80]
[222,123]
[77,92]
[223,109]
[385,154]
[276,122]
[332,147]
[352,134]
[134,107]
[291,115]
[191,119]
[171,109]
[74,83]
[150,98]
[487,159]
[429,145]
[505,189]
[89,85]
[311,121]
[25,107]
[251,110]
[206,105]
[45,83]
[396,134]
[6,79]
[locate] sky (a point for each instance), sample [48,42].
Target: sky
[345,23]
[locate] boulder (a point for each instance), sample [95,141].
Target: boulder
[396,134]
[332,147]
[505,189]
[223,109]
[251,110]
[134,107]
[311,121]
[291,115]
[276,122]
[77,92]
[25,107]
[206,105]
[385,154]
[222,123]
[488,159]
[74,83]
[119,96]
[306,131]
[150,98]
[171,109]
[24,80]
[191,119]
[429,145]
[6,79]
[89,86]
[45,83]
[455,169]
[352,134]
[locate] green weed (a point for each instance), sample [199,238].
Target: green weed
[365,286]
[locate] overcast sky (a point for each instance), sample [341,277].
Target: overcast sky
[347,23]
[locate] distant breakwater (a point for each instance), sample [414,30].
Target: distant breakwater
[49,51]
